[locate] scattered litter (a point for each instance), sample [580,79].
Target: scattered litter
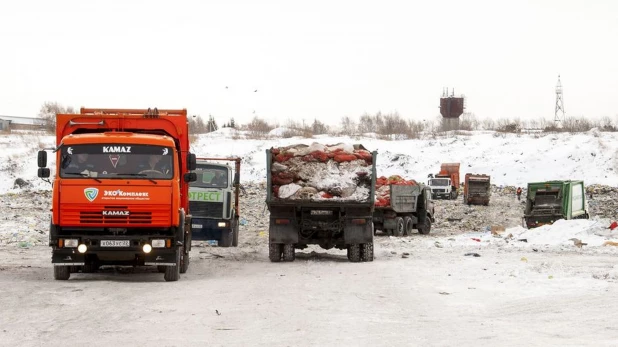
[524,259]
[405,255]
[472,254]
[445,293]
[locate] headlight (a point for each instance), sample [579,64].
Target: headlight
[222,224]
[82,248]
[158,243]
[147,248]
[71,243]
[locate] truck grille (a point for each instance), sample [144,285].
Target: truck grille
[206,209]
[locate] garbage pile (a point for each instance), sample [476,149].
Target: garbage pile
[319,172]
[383,188]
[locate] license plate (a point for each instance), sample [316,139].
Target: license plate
[321,212]
[115,243]
[197,226]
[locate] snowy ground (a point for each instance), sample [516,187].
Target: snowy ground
[525,287]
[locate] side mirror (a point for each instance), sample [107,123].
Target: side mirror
[42,159]
[191,162]
[43,172]
[236,178]
[190,177]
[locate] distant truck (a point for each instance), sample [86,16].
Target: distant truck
[214,201]
[477,189]
[547,202]
[446,183]
[328,217]
[120,192]
[410,208]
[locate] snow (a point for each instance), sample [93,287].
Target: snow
[527,287]
[510,159]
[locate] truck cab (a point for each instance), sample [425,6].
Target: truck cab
[213,201]
[441,187]
[120,191]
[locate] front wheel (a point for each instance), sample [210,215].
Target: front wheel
[227,238]
[235,232]
[425,227]
[62,273]
[172,273]
[185,260]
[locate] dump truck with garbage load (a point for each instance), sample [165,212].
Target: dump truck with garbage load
[214,201]
[320,194]
[445,184]
[402,206]
[477,189]
[120,191]
[547,202]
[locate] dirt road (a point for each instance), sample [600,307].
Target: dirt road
[235,297]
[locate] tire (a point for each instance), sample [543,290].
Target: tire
[367,251]
[90,267]
[354,253]
[408,226]
[400,227]
[236,232]
[185,260]
[227,238]
[425,228]
[275,251]
[172,273]
[62,273]
[288,252]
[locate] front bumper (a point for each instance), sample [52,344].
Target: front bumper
[203,229]
[133,254]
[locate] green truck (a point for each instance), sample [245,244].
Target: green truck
[546,202]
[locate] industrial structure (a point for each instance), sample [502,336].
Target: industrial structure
[451,108]
[559,115]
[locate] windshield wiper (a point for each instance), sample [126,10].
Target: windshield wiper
[138,175]
[83,175]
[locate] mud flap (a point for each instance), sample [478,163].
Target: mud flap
[68,258]
[167,258]
[282,233]
[358,233]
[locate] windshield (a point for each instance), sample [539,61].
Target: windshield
[210,176]
[442,182]
[117,161]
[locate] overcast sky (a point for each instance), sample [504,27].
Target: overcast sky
[311,59]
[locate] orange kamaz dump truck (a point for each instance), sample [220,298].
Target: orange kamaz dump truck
[120,191]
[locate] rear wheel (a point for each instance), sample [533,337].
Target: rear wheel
[354,253]
[172,273]
[288,252]
[367,251]
[400,227]
[275,251]
[409,226]
[62,273]
[425,227]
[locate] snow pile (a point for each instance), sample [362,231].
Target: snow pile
[320,172]
[593,233]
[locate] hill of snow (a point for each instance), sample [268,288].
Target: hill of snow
[510,159]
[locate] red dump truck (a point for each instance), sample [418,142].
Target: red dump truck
[477,189]
[446,183]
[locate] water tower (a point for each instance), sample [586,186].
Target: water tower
[451,108]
